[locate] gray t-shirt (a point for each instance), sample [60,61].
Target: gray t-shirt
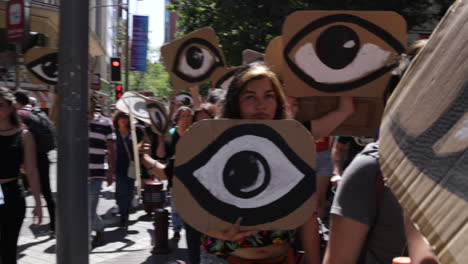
[357,198]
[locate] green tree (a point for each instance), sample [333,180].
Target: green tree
[251,24]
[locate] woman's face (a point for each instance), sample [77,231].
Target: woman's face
[5,109]
[258,100]
[123,122]
[185,119]
[293,106]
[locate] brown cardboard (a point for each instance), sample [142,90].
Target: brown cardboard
[39,62]
[310,36]
[423,139]
[273,56]
[225,79]
[363,122]
[194,148]
[249,56]
[186,71]
[145,109]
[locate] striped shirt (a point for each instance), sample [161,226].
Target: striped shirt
[101,130]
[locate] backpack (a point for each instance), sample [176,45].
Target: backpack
[42,129]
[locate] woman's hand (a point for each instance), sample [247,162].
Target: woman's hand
[37,213]
[232,234]
[346,105]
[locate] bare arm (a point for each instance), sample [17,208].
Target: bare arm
[111,157]
[326,124]
[309,234]
[338,155]
[347,238]
[30,165]
[419,250]
[156,167]
[194,90]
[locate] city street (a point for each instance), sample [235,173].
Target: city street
[134,245]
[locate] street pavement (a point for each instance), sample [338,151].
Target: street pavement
[134,245]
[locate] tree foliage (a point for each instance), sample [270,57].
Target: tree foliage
[251,24]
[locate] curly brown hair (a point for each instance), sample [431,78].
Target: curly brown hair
[251,72]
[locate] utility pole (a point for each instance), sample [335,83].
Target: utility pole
[72,134]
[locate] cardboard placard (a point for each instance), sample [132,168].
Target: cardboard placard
[333,53]
[364,122]
[145,109]
[273,56]
[249,56]
[225,80]
[260,170]
[423,142]
[42,65]
[193,59]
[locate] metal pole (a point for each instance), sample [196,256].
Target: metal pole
[127,57]
[17,65]
[72,132]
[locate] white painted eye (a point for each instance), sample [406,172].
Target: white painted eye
[196,62]
[248,172]
[157,116]
[45,68]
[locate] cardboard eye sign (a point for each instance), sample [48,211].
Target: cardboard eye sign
[249,56]
[262,171]
[42,65]
[424,138]
[145,109]
[184,98]
[332,53]
[225,79]
[273,56]
[194,58]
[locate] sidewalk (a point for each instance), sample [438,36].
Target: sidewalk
[134,245]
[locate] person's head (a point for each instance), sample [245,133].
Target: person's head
[183,116]
[206,111]
[400,70]
[32,101]
[293,104]
[22,98]
[7,108]
[120,120]
[255,93]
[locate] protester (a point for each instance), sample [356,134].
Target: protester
[16,147]
[367,220]
[206,111]
[43,132]
[125,185]
[101,165]
[183,118]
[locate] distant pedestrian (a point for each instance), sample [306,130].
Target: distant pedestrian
[101,165]
[16,147]
[43,132]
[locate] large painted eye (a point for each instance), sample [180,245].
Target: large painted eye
[158,117]
[249,171]
[340,52]
[196,59]
[45,68]
[184,98]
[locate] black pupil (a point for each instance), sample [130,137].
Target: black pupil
[243,170]
[337,46]
[194,57]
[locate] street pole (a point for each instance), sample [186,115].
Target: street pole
[72,134]
[127,37]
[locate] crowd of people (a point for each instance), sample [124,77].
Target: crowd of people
[367,225]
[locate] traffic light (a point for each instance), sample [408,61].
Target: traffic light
[115,69]
[118,91]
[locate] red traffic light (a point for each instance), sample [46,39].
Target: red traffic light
[118,95]
[118,87]
[116,63]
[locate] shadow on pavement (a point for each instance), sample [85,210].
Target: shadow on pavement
[23,247]
[175,254]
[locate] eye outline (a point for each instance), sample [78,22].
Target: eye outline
[154,107]
[340,87]
[40,62]
[290,202]
[218,60]
[228,75]
[185,95]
